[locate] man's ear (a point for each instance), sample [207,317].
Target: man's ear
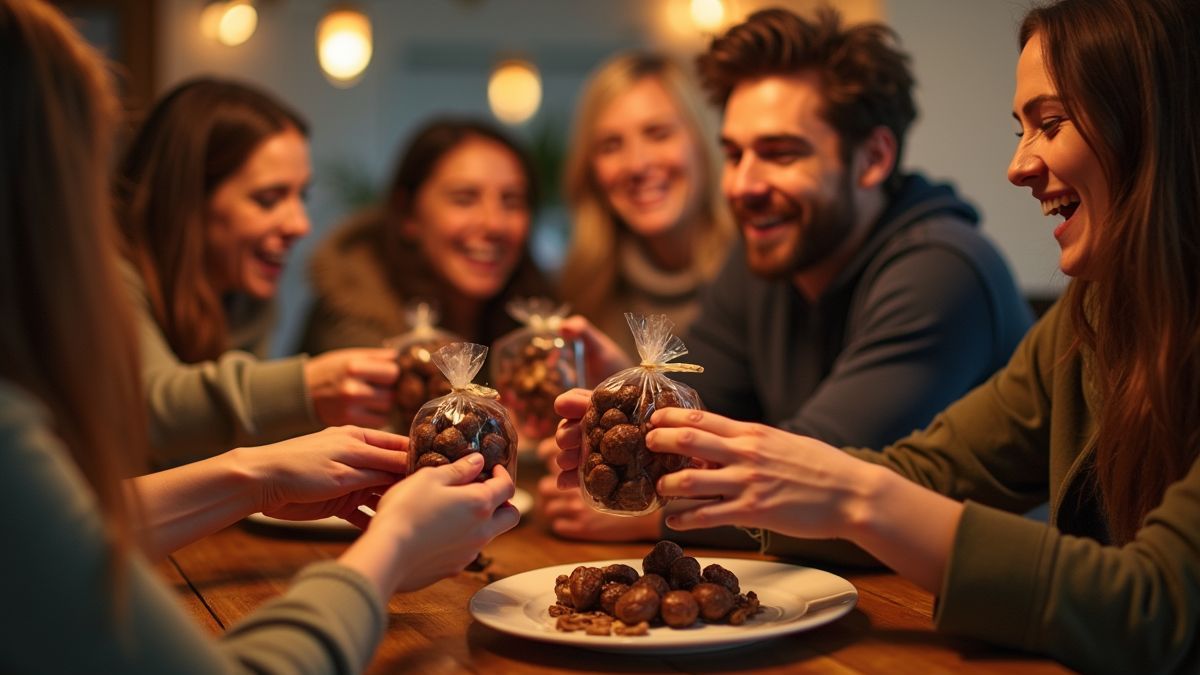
[875,158]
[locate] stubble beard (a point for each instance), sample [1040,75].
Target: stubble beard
[828,225]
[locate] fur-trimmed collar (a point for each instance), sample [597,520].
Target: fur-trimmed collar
[348,274]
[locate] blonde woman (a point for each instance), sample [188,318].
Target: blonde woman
[650,224]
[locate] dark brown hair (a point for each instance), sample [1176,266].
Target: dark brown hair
[865,78]
[1128,73]
[409,273]
[66,333]
[195,137]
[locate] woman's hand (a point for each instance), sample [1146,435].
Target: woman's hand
[762,477]
[353,386]
[570,406]
[432,524]
[329,473]
[602,356]
[570,517]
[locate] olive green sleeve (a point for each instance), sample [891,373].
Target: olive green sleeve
[198,410]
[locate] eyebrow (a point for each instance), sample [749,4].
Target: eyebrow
[1033,103]
[772,138]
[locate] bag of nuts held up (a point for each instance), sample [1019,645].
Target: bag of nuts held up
[532,365]
[419,379]
[617,474]
[468,419]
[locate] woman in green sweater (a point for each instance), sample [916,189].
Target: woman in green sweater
[1098,411]
[72,424]
[210,200]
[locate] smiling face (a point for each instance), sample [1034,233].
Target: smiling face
[1053,160]
[645,160]
[256,215]
[471,216]
[783,175]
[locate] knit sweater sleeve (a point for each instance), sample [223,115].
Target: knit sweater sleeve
[197,410]
[67,612]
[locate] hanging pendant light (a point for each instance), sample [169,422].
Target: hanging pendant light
[230,22]
[514,91]
[344,44]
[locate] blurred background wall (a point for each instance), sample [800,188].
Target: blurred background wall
[432,56]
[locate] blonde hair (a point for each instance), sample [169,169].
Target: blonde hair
[66,334]
[590,270]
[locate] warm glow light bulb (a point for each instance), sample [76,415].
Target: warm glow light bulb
[237,24]
[344,45]
[708,14]
[514,91]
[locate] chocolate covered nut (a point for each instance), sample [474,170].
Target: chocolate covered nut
[620,443]
[612,417]
[562,590]
[422,437]
[684,573]
[495,451]
[639,603]
[627,398]
[604,398]
[619,572]
[658,560]
[679,609]
[601,481]
[469,426]
[591,418]
[431,459]
[610,593]
[593,460]
[594,438]
[585,584]
[635,495]
[665,398]
[450,442]
[655,582]
[715,574]
[715,601]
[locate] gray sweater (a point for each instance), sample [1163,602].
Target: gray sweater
[60,615]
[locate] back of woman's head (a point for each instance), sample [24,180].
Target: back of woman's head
[194,138]
[433,141]
[65,331]
[589,273]
[1128,72]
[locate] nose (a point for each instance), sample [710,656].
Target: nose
[296,223]
[743,180]
[635,156]
[1025,166]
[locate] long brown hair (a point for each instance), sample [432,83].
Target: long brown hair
[66,334]
[196,136]
[408,271]
[589,274]
[1128,73]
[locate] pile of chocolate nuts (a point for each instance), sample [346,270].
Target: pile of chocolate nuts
[530,378]
[672,590]
[617,472]
[441,436]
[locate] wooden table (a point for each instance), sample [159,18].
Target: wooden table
[225,576]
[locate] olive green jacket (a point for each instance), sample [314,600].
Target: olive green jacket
[62,614]
[198,410]
[1059,588]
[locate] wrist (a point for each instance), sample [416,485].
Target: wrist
[867,505]
[378,555]
[249,477]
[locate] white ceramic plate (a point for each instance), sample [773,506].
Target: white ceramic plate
[522,500]
[794,599]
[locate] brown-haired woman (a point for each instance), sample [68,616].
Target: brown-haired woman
[453,231]
[1097,411]
[72,423]
[649,222]
[210,198]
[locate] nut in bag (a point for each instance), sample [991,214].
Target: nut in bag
[617,474]
[419,380]
[533,364]
[468,419]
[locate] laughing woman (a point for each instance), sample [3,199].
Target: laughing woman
[1098,411]
[650,224]
[210,199]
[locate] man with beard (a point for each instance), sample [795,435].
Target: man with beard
[861,300]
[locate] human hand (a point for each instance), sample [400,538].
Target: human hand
[570,517]
[761,476]
[353,386]
[329,473]
[571,406]
[602,356]
[439,519]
